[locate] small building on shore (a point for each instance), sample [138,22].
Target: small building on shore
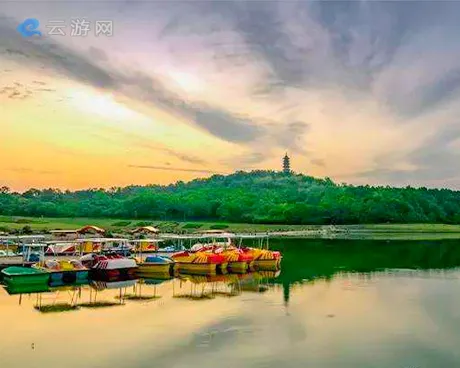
[85,231]
[145,231]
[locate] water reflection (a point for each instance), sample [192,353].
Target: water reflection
[334,304]
[102,294]
[310,261]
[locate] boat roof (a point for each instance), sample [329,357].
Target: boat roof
[35,245]
[23,237]
[100,240]
[156,240]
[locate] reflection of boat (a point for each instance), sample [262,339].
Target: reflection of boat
[53,304]
[258,281]
[19,288]
[61,285]
[200,279]
[109,266]
[209,286]
[155,264]
[102,285]
[156,279]
[63,270]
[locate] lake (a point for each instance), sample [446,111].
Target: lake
[334,304]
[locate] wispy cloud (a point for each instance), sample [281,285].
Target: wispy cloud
[168,168]
[363,87]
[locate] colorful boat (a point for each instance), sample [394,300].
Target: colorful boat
[155,264]
[264,259]
[199,262]
[67,271]
[62,248]
[15,277]
[109,266]
[237,260]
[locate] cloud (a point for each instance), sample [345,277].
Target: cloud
[355,87]
[136,85]
[318,162]
[167,168]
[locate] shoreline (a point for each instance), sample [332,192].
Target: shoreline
[40,225]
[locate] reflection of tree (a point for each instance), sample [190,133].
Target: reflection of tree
[311,260]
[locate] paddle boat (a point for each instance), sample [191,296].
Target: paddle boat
[62,248]
[199,262]
[237,260]
[258,258]
[67,271]
[154,264]
[18,277]
[264,259]
[109,266]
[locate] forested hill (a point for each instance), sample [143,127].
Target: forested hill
[255,197]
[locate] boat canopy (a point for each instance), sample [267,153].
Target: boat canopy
[23,237]
[102,240]
[155,240]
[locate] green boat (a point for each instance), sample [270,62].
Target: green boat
[17,276]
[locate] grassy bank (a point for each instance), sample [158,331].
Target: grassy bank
[371,231]
[116,225]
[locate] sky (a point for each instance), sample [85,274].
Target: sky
[363,92]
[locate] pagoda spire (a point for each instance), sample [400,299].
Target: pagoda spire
[286,164]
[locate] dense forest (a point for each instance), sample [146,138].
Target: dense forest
[254,197]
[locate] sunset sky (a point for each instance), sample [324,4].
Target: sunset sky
[362,92]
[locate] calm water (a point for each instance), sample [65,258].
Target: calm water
[334,304]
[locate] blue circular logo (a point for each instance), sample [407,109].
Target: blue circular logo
[29,28]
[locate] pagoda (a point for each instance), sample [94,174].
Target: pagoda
[286,164]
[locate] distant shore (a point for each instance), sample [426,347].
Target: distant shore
[23,225]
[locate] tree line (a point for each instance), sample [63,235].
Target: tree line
[249,197]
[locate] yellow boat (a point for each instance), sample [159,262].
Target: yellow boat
[199,262]
[264,259]
[238,261]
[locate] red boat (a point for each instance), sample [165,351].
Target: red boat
[109,266]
